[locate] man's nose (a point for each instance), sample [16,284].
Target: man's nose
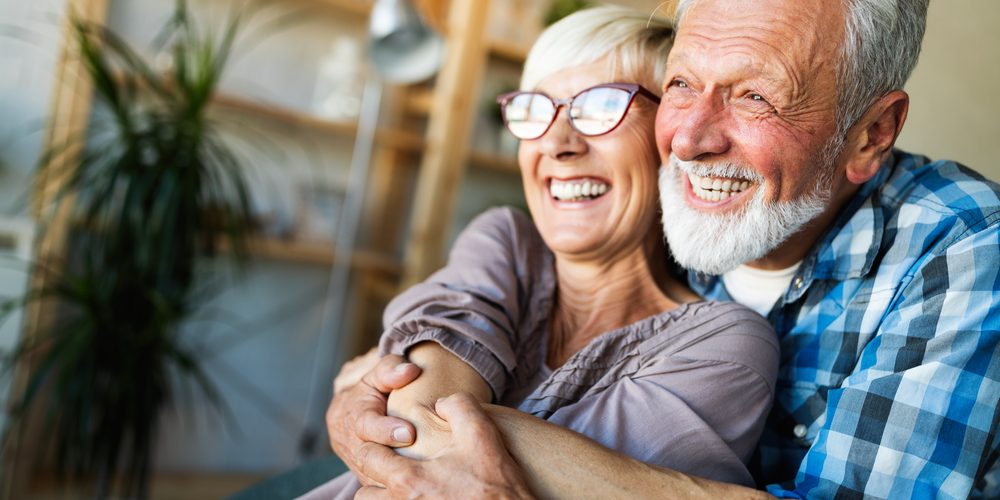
[562,141]
[700,130]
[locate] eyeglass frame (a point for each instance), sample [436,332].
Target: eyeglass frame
[632,88]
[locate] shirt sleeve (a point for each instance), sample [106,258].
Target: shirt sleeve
[917,417]
[473,306]
[699,411]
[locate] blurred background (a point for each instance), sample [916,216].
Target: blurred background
[355,185]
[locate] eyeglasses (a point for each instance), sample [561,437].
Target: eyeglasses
[592,112]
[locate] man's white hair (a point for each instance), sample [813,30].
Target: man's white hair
[881,46]
[635,44]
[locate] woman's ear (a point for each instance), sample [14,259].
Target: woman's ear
[870,140]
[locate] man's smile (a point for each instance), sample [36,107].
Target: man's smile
[717,188]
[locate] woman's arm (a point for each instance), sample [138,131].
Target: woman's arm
[475,306]
[442,375]
[553,461]
[643,415]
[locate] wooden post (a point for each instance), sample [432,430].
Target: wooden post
[448,136]
[69,113]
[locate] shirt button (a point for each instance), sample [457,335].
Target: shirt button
[800,431]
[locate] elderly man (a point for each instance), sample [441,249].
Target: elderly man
[879,270]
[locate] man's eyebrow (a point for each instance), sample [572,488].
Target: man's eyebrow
[676,56]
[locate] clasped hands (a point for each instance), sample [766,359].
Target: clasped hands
[454,450]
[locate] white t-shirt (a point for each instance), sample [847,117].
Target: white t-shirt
[758,289]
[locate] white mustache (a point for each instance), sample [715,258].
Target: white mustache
[703,169]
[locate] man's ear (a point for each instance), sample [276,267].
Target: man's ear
[870,140]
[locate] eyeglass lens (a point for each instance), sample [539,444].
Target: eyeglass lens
[592,112]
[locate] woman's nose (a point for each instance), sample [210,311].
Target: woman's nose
[699,130]
[562,141]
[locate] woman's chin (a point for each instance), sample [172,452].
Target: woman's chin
[574,244]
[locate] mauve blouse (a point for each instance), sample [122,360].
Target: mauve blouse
[688,389]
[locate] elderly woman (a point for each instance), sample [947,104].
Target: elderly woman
[590,330]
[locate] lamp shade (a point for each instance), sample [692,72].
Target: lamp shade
[402,47]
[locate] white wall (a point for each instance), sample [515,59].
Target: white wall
[29,41]
[955,90]
[30,37]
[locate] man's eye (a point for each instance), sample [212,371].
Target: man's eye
[679,84]
[757,98]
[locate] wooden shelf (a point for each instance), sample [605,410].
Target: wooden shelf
[358,7]
[495,162]
[399,139]
[511,51]
[419,101]
[315,253]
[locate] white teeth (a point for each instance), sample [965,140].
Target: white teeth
[577,190]
[717,188]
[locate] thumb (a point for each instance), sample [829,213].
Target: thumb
[470,425]
[391,372]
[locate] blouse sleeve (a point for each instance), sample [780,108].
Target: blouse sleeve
[699,410]
[474,305]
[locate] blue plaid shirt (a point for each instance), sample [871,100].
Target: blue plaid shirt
[890,334]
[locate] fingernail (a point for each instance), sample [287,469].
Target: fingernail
[402,367]
[402,435]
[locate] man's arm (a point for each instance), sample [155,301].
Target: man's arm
[917,417]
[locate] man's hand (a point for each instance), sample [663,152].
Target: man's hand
[357,415]
[353,370]
[475,464]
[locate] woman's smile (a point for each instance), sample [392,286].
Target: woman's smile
[577,189]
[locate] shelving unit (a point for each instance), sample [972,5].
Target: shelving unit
[302,251]
[399,139]
[442,151]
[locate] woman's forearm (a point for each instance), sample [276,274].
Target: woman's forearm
[443,374]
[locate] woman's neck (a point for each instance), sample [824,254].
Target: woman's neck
[597,297]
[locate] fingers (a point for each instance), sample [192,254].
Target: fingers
[391,372]
[381,465]
[359,414]
[353,370]
[375,426]
[371,493]
[469,422]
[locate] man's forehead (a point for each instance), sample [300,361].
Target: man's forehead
[791,36]
[804,21]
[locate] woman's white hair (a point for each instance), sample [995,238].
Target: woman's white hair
[881,47]
[635,44]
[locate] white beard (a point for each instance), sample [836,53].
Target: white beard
[713,244]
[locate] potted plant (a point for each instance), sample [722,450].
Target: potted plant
[154,188]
